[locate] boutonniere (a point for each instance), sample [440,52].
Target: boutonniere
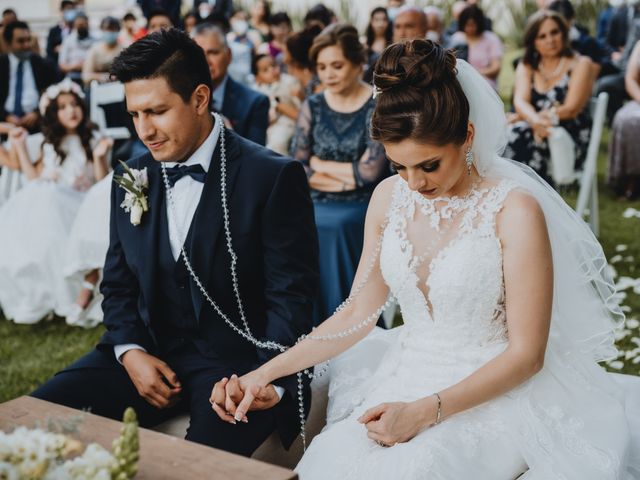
[135,183]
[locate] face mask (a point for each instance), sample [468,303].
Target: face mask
[22,55]
[110,38]
[204,10]
[240,27]
[433,36]
[392,12]
[83,33]
[574,34]
[69,15]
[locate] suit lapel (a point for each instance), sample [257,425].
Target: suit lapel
[209,219]
[148,232]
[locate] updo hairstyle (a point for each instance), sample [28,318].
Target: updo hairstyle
[418,95]
[342,35]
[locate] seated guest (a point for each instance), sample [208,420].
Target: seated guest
[59,32]
[614,84]
[171,8]
[190,20]
[582,42]
[296,59]
[624,148]
[378,37]
[435,25]
[320,15]
[484,49]
[241,48]
[283,92]
[129,31]
[279,28]
[157,20]
[553,86]
[75,48]
[259,21]
[101,54]
[37,219]
[246,110]
[410,23]
[343,164]
[23,75]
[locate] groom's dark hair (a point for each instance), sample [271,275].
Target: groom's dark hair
[170,54]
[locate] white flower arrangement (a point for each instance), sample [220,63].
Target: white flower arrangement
[135,183]
[36,454]
[50,94]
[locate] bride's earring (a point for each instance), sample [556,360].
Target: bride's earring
[468,158]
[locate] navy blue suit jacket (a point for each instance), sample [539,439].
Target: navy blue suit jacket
[247,110]
[274,237]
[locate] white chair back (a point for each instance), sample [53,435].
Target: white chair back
[588,194]
[103,94]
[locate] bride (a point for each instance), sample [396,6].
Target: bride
[506,305]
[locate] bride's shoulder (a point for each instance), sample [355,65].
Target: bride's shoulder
[382,196]
[521,216]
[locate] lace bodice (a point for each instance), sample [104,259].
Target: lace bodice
[74,171]
[442,261]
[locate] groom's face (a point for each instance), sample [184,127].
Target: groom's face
[167,125]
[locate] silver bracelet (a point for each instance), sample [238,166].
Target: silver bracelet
[439,412]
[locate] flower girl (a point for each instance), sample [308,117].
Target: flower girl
[37,219]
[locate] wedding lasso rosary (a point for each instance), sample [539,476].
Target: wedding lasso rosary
[246,332]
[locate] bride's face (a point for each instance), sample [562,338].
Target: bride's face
[432,170]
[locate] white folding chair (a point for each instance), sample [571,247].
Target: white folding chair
[103,94]
[12,180]
[588,194]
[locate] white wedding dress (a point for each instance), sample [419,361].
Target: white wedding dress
[442,261]
[35,224]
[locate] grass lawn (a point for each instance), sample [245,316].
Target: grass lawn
[31,354]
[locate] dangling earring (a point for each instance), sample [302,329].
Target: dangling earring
[468,158]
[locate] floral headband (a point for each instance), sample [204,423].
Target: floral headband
[50,94]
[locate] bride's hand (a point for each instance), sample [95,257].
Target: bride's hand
[397,422]
[232,398]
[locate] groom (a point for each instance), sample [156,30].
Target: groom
[165,346]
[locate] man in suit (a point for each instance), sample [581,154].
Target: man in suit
[165,346]
[246,110]
[59,32]
[23,77]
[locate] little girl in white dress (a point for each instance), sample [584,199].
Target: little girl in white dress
[35,222]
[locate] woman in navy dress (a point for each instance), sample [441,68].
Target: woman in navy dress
[343,164]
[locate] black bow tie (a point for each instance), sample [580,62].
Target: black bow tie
[194,171]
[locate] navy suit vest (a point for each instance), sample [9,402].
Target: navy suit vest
[175,320]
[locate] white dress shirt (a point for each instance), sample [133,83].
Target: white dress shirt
[30,96]
[186,196]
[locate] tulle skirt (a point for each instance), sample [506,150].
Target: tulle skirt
[35,224]
[89,241]
[566,422]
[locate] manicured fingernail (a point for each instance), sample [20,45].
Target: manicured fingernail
[245,419]
[238,417]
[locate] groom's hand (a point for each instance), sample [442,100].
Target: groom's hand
[153,378]
[229,393]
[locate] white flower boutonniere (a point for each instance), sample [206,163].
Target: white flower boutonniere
[135,183]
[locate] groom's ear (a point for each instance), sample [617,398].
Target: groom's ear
[201,97]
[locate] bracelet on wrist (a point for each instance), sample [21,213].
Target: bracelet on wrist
[439,410]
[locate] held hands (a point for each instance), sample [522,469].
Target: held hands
[541,125]
[154,379]
[18,136]
[397,422]
[232,398]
